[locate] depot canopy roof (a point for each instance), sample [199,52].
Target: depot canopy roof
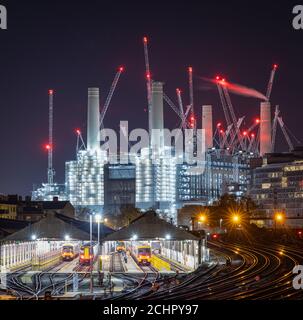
[150,227]
[50,227]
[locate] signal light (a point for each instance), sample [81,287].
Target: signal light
[78,131]
[47,147]
[245,133]
[275,66]
[121,69]
[217,78]
[190,69]
[148,76]
[219,125]
[145,40]
[257,120]
[50,92]
[252,135]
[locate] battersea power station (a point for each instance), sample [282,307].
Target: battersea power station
[158,176]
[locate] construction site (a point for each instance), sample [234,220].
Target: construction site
[93,182]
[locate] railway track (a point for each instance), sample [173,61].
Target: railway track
[263,272]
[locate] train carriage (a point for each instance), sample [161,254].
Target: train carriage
[69,251]
[143,254]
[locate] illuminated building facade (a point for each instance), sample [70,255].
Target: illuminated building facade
[277,186]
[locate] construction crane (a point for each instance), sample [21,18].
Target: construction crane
[80,141]
[172,105]
[191,90]
[183,122]
[231,144]
[274,129]
[282,125]
[148,79]
[232,112]
[180,102]
[251,143]
[223,102]
[110,95]
[271,81]
[49,147]
[252,127]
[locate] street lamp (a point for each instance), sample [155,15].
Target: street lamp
[133,238]
[34,237]
[98,218]
[202,218]
[67,237]
[279,217]
[236,218]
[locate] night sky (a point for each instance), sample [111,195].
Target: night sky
[69,46]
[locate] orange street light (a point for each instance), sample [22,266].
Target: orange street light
[279,217]
[236,218]
[202,218]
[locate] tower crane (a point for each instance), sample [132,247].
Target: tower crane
[172,105]
[251,143]
[191,91]
[49,147]
[110,95]
[223,102]
[233,116]
[274,129]
[282,125]
[80,141]
[180,102]
[148,79]
[271,81]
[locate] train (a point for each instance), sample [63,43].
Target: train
[120,246]
[143,254]
[87,254]
[69,251]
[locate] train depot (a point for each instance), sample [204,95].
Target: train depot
[55,250]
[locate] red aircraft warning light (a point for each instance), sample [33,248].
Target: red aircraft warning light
[190,69]
[121,69]
[252,135]
[47,147]
[78,131]
[145,40]
[258,120]
[275,66]
[244,133]
[50,92]
[219,125]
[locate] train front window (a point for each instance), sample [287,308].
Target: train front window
[144,251]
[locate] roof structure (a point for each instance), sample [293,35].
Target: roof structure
[50,227]
[148,227]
